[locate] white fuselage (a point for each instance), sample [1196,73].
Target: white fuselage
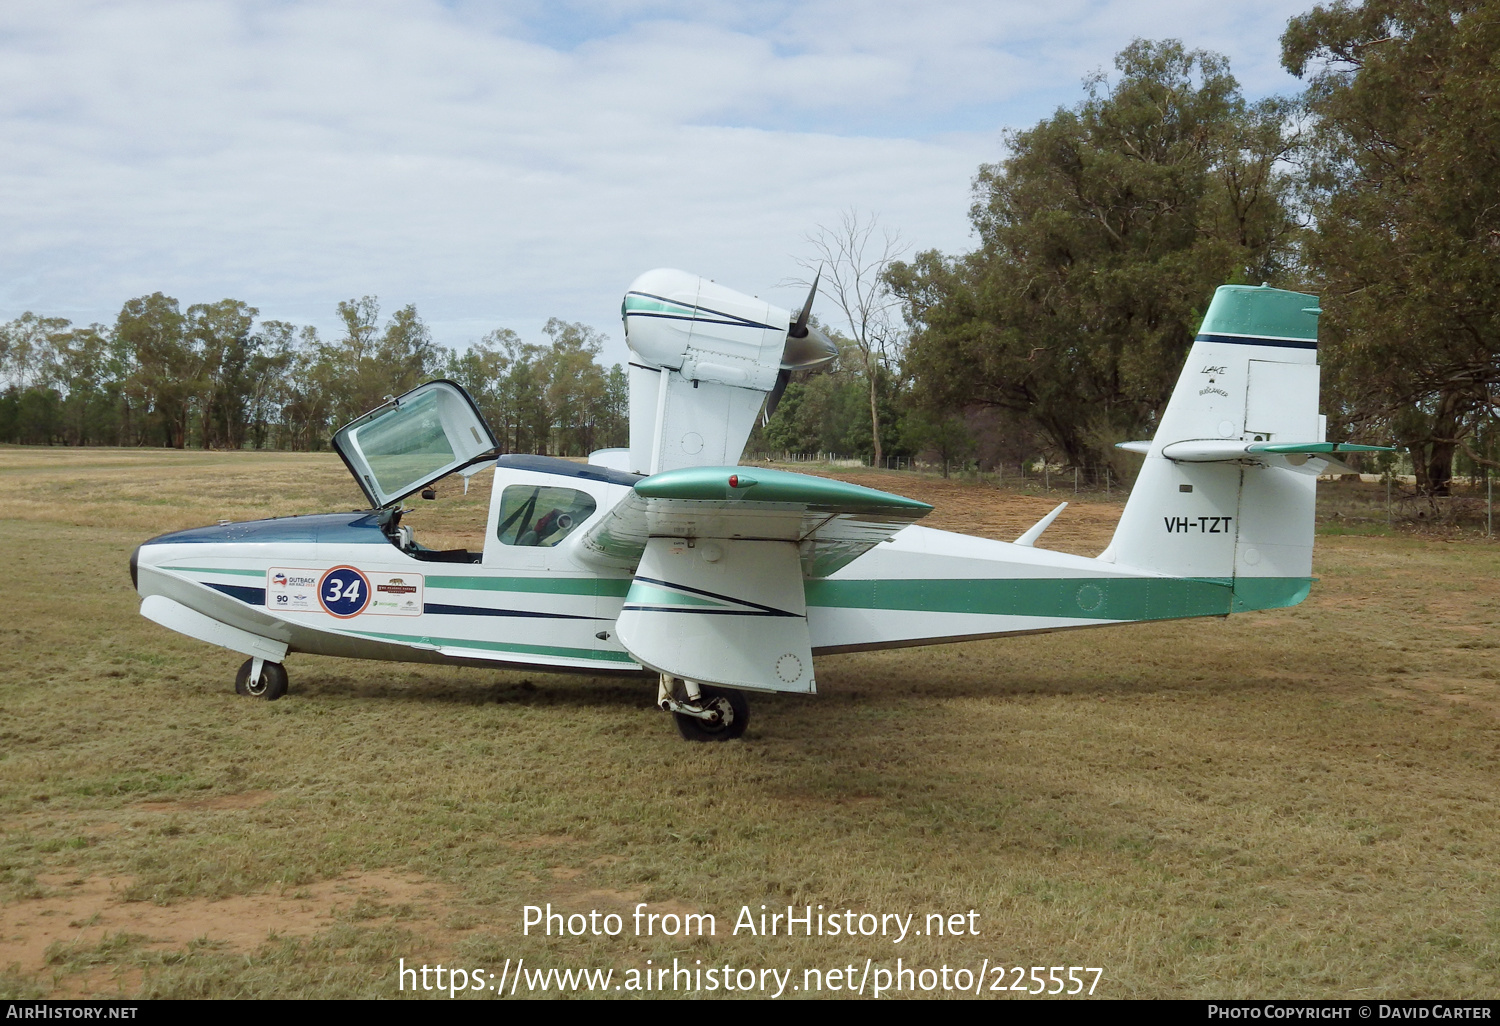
[543,607]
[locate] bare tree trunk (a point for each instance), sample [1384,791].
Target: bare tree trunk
[1432,456]
[852,270]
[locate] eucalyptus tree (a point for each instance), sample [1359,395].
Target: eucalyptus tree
[1103,233]
[1405,188]
[222,345]
[162,375]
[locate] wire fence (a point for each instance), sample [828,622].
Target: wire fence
[1040,474]
[1402,505]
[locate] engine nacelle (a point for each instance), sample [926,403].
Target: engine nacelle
[679,321]
[704,358]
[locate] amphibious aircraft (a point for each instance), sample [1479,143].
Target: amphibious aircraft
[669,559]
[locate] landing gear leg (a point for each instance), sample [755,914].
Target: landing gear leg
[703,713]
[260,678]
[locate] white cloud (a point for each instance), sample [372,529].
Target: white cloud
[498,164]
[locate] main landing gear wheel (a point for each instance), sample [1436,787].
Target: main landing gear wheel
[733,716]
[271,685]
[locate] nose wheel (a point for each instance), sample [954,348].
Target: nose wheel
[259,678]
[704,713]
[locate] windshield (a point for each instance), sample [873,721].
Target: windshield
[405,445]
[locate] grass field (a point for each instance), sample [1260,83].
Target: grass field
[1290,803]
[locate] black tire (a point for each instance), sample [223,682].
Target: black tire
[734,714]
[272,683]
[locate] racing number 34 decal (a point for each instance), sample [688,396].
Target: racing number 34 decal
[344,592]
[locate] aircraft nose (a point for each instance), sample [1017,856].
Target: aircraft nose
[135,558]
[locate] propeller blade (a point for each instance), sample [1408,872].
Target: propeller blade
[783,378]
[799,327]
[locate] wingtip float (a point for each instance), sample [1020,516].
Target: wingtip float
[667,559]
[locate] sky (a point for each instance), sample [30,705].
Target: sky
[501,163]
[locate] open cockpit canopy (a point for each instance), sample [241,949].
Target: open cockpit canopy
[413,440]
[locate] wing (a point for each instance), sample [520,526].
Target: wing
[833,523]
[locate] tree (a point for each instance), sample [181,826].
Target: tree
[943,434]
[223,346]
[163,373]
[483,370]
[88,373]
[1405,190]
[368,365]
[853,260]
[27,350]
[1103,234]
[576,387]
[829,410]
[214,377]
[266,377]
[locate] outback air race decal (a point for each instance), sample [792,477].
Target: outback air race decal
[343,591]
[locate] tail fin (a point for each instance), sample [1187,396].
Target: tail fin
[1229,507]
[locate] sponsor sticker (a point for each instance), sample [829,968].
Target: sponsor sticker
[396,594]
[291,589]
[343,591]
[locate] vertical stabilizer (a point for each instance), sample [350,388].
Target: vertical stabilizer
[1206,504]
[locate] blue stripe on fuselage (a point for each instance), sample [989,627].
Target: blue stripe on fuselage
[250,596]
[257,597]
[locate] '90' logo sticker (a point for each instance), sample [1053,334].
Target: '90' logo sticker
[344,592]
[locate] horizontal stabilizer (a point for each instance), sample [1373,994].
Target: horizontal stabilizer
[1213,450]
[1302,457]
[833,523]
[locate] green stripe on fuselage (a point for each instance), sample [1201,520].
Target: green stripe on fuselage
[607,587]
[1092,598]
[1112,598]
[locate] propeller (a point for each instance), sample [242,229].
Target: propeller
[799,326]
[806,349]
[783,378]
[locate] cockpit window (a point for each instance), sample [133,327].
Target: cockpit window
[539,515]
